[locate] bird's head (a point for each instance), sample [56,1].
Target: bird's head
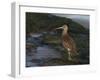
[64,27]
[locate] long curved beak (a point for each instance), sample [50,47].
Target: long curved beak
[59,28]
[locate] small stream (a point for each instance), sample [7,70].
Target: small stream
[41,54]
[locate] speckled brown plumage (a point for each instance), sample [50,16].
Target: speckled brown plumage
[68,42]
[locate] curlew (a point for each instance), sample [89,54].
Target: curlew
[68,42]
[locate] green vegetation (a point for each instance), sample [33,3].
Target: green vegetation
[39,22]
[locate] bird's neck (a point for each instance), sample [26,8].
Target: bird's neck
[64,32]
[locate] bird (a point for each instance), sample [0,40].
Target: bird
[68,42]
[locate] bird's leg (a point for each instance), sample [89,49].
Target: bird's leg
[69,54]
[77,54]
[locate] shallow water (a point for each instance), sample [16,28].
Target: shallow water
[42,55]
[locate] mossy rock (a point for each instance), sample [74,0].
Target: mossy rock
[40,22]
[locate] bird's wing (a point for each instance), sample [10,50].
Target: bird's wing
[68,42]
